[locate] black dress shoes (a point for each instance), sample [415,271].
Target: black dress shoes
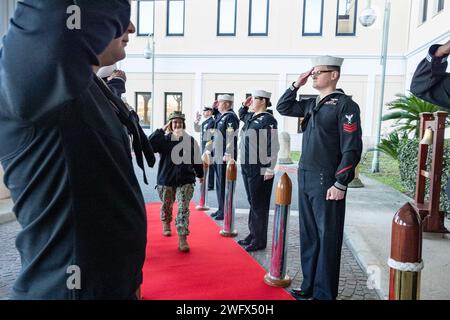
[246,241]
[218,217]
[253,247]
[214,214]
[242,242]
[299,294]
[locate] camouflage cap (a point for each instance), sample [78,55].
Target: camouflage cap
[177,115]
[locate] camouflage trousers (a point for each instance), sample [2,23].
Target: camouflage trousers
[183,196]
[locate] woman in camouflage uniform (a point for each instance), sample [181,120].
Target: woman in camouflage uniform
[179,164]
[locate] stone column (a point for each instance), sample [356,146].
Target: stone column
[284,156]
[4,192]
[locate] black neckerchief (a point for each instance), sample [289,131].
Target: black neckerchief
[130,120]
[256,116]
[221,116]
[316,108]
[226,113]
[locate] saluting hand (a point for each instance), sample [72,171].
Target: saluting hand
[443,50]
[118,74]
[248,102]
[216,104]
[303,78]
[166,127]
[335,194]
[198,116]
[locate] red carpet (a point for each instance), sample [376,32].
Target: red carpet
[216,268]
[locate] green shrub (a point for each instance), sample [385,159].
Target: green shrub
[390,145]
[408,151]
[406,110]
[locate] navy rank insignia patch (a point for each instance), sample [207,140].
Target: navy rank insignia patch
[350,126]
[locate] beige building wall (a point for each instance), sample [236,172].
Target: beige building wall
[164,83]
[394,85]
[238,84]
[200,63]
[285,31]
[238,64]
[436,29]
[436,25]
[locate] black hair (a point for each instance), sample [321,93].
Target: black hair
[171,128]
[268,103]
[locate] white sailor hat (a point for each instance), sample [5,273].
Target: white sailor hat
[327,61]
[225,97]
[262,94]
[105,72]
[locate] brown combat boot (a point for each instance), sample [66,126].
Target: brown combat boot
[182,243]
[167,232]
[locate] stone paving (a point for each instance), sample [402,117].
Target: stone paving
[352,284]
[9,258]
[352,281]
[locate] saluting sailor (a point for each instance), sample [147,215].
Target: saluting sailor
[224,147]
[206,130]
[331,149]
[431,82]
[258,151]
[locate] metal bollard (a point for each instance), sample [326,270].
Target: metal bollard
[203,203]
[406,254]
[277,276]
[228,215]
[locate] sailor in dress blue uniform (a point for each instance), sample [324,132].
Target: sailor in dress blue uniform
[259,133]
[331,150]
